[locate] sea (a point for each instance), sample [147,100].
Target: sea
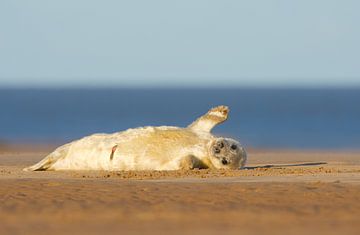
[259,118]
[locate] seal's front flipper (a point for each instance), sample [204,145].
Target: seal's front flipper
[212,118]
[188,162]
[191,162]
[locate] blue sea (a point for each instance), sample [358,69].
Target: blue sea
[260,118]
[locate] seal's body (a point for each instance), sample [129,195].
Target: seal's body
[151,148]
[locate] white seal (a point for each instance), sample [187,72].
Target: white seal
[151,148]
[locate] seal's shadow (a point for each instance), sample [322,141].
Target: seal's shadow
[285,165]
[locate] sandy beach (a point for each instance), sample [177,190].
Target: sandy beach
[280,191]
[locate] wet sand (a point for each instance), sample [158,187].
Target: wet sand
[288,192]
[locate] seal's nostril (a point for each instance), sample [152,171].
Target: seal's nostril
[224,161]
[220,145]
[216,150]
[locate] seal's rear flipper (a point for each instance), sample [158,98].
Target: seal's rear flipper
[40,166]
[48,161]
[212,118]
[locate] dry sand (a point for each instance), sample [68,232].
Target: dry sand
[280,192]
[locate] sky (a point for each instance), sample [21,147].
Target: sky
[227,43]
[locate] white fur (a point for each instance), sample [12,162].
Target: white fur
[146,148]
[93,152]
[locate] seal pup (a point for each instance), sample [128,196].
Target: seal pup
[151,148]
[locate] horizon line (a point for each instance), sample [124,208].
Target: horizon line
[182,87]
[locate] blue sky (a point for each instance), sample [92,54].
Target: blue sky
[187,42]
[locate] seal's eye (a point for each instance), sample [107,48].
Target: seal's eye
[224,161]
[233,147]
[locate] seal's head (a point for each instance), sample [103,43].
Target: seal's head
[226,153]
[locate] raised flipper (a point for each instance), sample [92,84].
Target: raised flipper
[212,118]
[48,161]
